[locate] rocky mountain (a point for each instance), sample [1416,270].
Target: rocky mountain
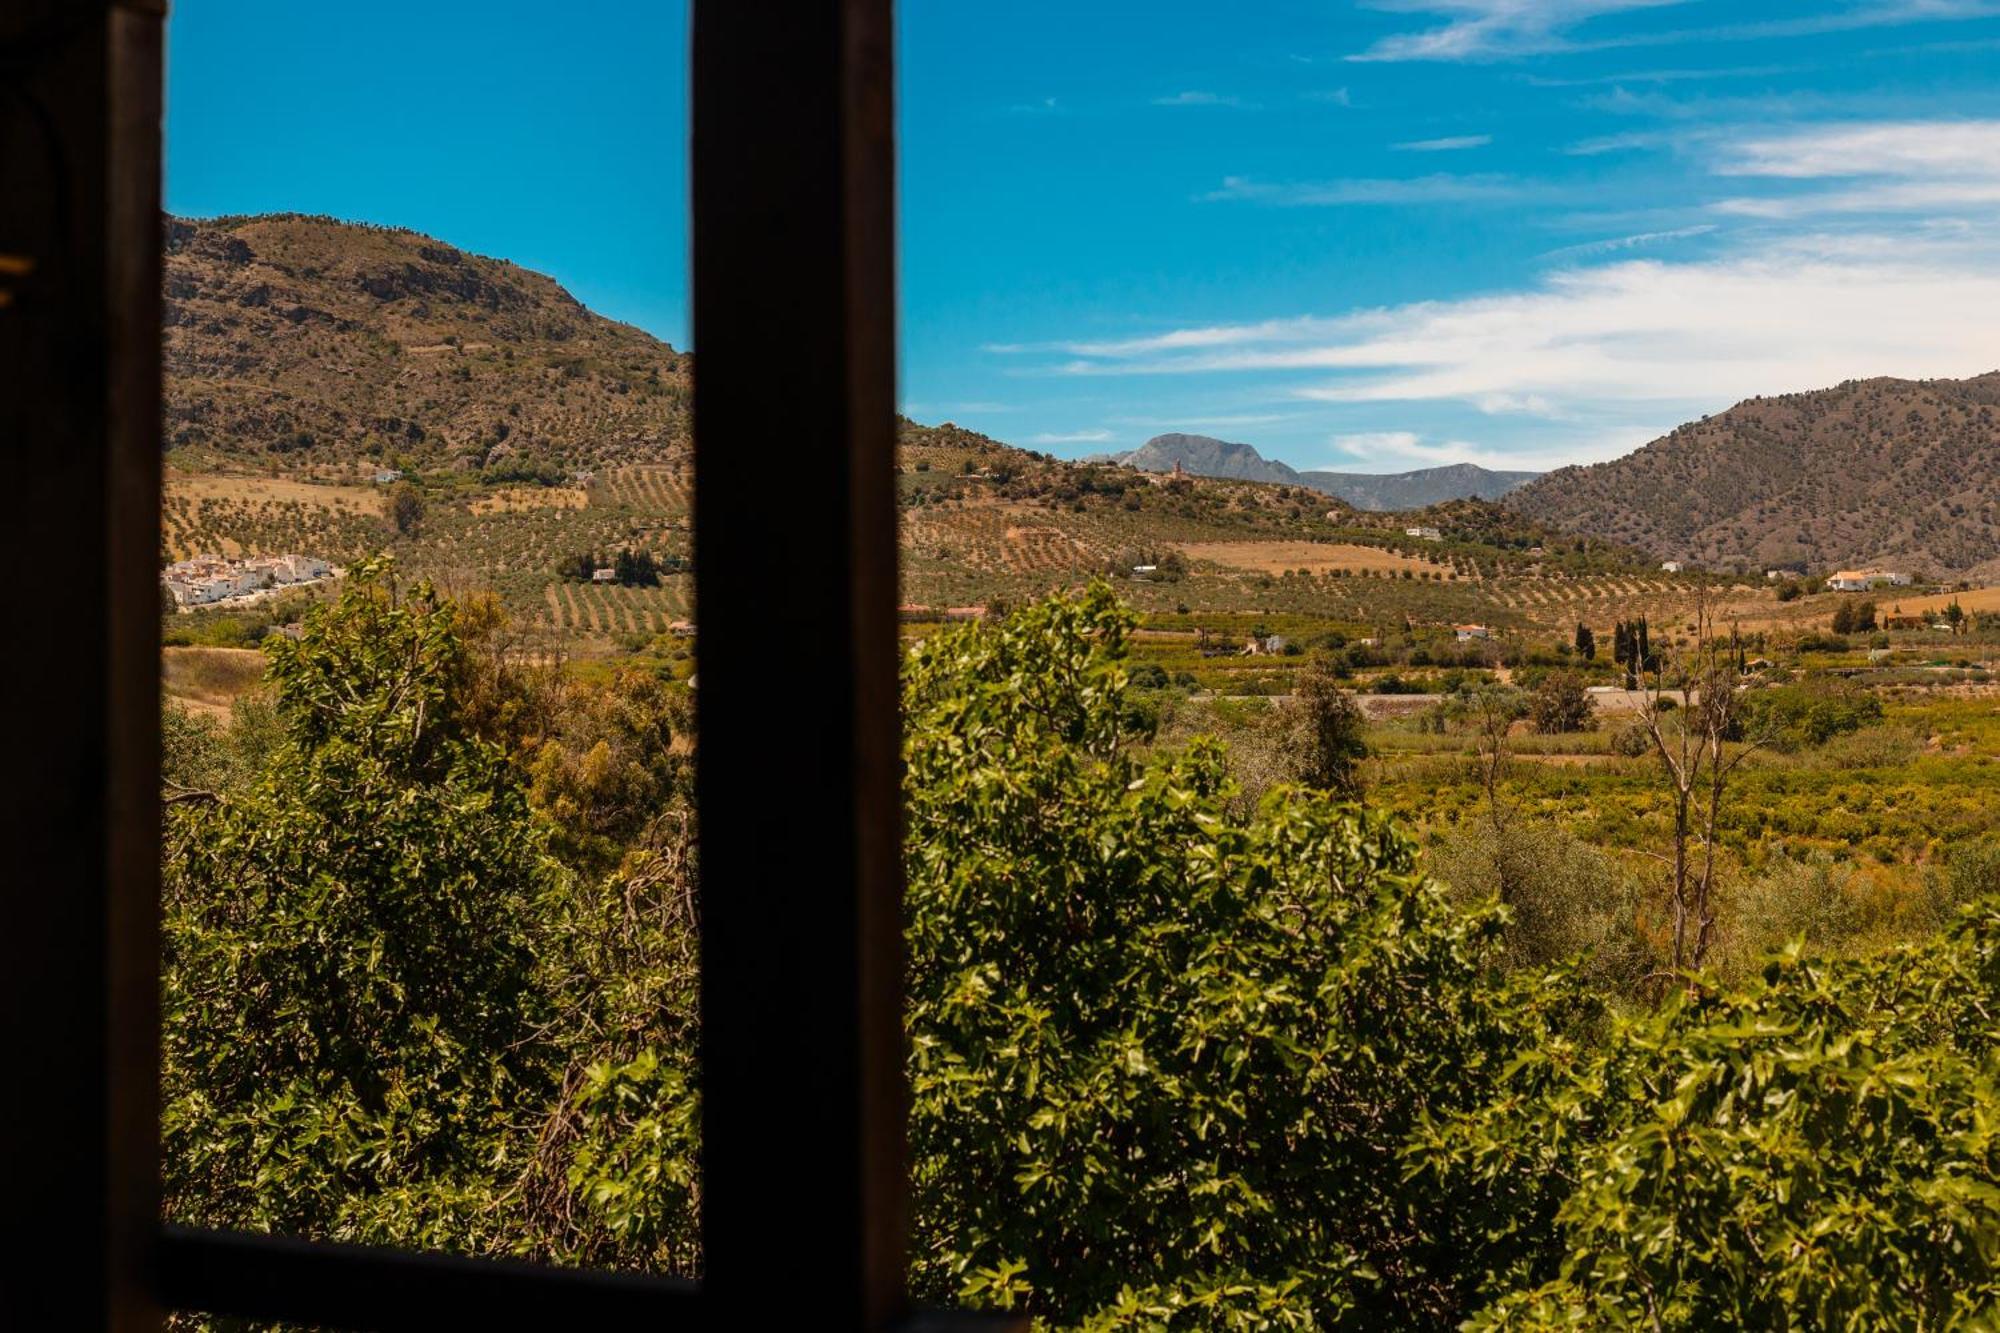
[1878,470]
[322,346]
[1208,457]
[1418,489]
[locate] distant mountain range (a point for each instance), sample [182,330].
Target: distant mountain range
[1205,456]
[310,346]
[1877,470]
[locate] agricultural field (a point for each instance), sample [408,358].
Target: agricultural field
[1278,557]
[239,515]
[1844,826]
[986,525]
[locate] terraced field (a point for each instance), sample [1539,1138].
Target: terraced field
[591,608]
[969,538]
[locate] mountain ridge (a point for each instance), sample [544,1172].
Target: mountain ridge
[1206,456]
[320,345]
[1879,470]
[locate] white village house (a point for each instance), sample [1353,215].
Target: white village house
[1467,633]
[1861,580]
[1428,534]
[1670,566]
[203,580]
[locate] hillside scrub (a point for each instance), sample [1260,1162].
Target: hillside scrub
[1175,1062]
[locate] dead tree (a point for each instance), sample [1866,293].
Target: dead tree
[1699,744]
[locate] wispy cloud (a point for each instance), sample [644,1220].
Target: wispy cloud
[1493,29]
[1664,76]
[1889,148]
[1198,99]
[1631,347]
[1404,450]
[928,409]
[1072,437]
[1937,167]
[1231,421]
[1433,189]
[1451,143]
[1617,143]
[1504,29]
[1615,244]
[1336,96]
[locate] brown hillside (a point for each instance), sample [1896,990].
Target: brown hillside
[323,346]
[1874,470]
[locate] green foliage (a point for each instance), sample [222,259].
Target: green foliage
[406,509]
[1810,713]
[1817,1151]
[1565,900]
[430,980]
[347,974]
[1561,704]
[1163,1060]
[1323,727]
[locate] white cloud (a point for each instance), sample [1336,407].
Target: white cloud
[1935,166]
[1403,450]
[1449,144]
[1664,76]
[1961,148]
[1434,189]
[1640,344]
[1614,244]
[1226,422]
[1616,143]
[1072,437]
[1197,99]
[1336,96]
[1488,29]
[1500,29]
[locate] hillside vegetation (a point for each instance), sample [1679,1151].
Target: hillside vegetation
[1901,471]
[321,348]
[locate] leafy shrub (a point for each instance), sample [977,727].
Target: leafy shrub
[1163,1060]
[1561,704]
[349,989]
[1816,1151]
[1565,899]
[1322,731]
[1809,713]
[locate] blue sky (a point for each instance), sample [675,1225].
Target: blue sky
[1361,236]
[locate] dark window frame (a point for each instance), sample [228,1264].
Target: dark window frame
[804,1215]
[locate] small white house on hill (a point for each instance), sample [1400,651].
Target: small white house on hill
[1861,580]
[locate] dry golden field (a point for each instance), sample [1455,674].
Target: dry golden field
[1976,599]
[208,680]
[258,490]
[1275,557]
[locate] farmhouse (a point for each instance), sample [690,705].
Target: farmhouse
[1670,566]
[1861,580]
[1467,633]
[388,475]
[1428,534]
[604,576]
